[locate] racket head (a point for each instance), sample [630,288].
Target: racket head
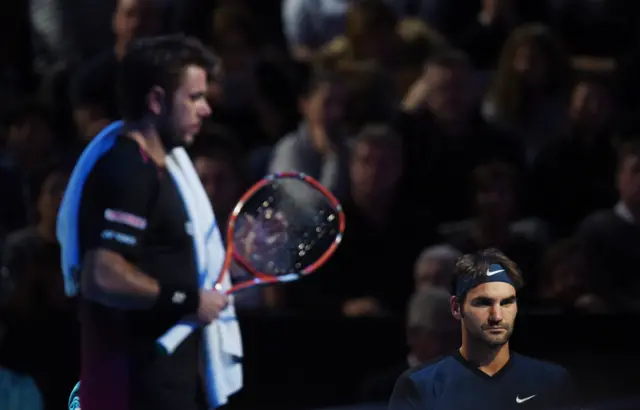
[296,222]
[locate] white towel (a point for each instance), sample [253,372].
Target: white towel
[223,344]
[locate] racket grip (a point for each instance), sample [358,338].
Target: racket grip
[169,342]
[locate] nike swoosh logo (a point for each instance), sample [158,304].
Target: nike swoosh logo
[493,272]
[519,400]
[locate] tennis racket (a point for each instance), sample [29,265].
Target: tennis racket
[283,228]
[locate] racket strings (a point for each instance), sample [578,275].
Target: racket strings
[288,225]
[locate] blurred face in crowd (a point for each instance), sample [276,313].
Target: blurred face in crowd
[629,181]
[325,107]
[138,18]
[591,105]
[449,98]
[376,168]
[568,277]
[432,272]
[495,202]
[51,196]
[488,313]
[32,138]
[189,106]
[531,65]
[220,182]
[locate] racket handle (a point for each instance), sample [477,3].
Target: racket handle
[169,342]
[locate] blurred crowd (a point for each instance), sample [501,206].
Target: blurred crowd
[443,126]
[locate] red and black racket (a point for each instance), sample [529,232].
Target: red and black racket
[284,227]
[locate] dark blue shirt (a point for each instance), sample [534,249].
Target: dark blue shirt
[454,383]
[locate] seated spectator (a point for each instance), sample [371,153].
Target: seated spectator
[612,236]
[495,200]
[431,332]
[567,282]
[30,146]
[318,147]
[445,138]
[93,88]
[34,299]
[577,171]
[385,234]
[530,91]
[18,391]
[310,24]
[434,267]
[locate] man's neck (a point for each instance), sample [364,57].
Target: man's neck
[47,231]
[488,360]
[120,49]
[149,141]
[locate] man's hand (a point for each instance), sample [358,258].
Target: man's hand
[211,304]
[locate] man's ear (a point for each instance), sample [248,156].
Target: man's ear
[454,303]
[156,100]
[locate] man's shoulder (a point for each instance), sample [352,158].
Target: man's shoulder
[124,161]
[429,371]
[20,239]
[543,368]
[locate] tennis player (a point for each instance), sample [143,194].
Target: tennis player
[138,272]
[484,373]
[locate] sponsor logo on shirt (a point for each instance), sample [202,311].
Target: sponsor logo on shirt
[119,237]
[125,218]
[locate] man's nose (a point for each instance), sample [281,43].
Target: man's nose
[496,313]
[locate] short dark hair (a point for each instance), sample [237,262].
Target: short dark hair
[309,77]
[379,133]
[157,61]
[475,265]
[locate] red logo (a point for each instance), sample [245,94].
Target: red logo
[125,218]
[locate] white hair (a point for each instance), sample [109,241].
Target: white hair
[441,253]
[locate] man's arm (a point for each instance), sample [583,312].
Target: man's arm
[113,224]
[405,395]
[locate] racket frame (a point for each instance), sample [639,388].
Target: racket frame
[260,278]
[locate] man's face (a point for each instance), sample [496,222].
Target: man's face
[189,105]
[489,313]
[496,202]
[219,182]
[325,106]
[591,105]
[375,168]
[33,136]
[450,92]
[629,181]
[137,18]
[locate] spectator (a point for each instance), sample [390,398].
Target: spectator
[310,24]
[530,90]
[386,232]
[612,236]
[495,200]
[445,138]
[431,332]
[93,89]
[577,171]
[318,147]
[568,282]
[434,267]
